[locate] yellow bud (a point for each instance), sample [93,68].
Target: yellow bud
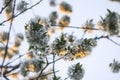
[31,67]
[8,15]
[62,52]
[14,75]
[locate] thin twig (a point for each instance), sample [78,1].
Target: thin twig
[14,59]
[7,66]
[5,6]
[47,64]
[84,33]
[6,48]
[21,12]
[44,75]
[7,72]
[113,41]
[50,73]
[14,68]
[56,60]
[54,65]
[101,37]
[66,78]
[118,36]
[77,27]
[107,37]
[5,77]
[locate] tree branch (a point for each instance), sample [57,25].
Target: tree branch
[77,27]
[21,12]
[6,48]
[14,60]
[107,37]
[5,6]
[54,65]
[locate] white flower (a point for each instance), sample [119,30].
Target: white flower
[76,72]
[44,22]
[115,66]
[36,34]
[31,65]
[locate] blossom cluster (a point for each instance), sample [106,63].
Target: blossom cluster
[59,44]
[9,12]
[115,66]
[31,65]
[76,72]
[111,23]
[80,48]
[36,34]
[12,50]
[88,26]
[71,48]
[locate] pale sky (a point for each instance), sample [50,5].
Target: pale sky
[96,65]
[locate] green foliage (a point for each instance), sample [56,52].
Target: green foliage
[59,44]
[31,47]
[35,26]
